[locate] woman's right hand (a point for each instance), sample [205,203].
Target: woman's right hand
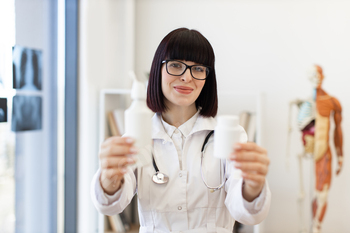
[114,158]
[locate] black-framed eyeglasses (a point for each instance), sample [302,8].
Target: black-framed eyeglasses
[178,68]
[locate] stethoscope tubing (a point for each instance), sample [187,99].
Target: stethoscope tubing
[212,189]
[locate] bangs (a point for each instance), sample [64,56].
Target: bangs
[190,45]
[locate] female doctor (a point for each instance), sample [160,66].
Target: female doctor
[182,92]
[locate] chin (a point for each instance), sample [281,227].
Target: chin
[183,104]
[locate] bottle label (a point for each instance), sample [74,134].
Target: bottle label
[139,127]
[224,139]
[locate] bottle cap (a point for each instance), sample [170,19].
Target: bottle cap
[228,121]
[138,90]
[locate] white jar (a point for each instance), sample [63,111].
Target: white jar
[227,133]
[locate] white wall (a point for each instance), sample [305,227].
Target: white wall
[260,46]
[267,46]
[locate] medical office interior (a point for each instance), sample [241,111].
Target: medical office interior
[64,64]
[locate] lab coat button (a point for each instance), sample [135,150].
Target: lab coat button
[164,141]
[176,131]
[180,174]
[179,208]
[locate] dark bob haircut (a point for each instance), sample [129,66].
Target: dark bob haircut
[188,45]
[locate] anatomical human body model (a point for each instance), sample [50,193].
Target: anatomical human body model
[314,122]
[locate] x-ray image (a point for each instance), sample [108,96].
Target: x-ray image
[3,110]
[26,113]
[1,82]
[27,64]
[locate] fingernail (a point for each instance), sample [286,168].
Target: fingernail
[133,149]
[123,170]
[130,160]
[237,146]
[129,140]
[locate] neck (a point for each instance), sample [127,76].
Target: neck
[177,115]
[314,93]
[317,91]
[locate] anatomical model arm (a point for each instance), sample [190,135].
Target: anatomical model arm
[296,102]
[338,134]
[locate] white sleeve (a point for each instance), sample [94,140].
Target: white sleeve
[113,204]
[248,213]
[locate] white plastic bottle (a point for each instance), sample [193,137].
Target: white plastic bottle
[227,133]
[138,124]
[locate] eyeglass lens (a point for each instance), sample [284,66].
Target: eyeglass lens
[178,68]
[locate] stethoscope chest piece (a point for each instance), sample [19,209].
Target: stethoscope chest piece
[160,178]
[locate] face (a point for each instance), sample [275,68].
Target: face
[181,90]
[314,77]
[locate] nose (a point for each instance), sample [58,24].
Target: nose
[186,77]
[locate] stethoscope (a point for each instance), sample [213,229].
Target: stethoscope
[161,178]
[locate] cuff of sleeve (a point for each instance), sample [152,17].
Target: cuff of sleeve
[102,197]
[257,204]
[251,214]
[112,198]
[113,204]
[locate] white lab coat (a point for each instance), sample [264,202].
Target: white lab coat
[184,204]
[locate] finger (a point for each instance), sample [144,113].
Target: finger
[113,173]
[250,146]
[250,156]
[110,177]
[117,150]
[257,179]
[117,140]
[252,168]
[116,162]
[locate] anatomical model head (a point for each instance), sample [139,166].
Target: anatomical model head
[315,75]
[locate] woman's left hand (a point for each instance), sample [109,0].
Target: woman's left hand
[254,163]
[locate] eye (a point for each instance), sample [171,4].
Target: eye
[199,69]
[176,65]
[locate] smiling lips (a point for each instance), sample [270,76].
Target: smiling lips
[183,89]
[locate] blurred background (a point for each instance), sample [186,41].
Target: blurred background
[83,47]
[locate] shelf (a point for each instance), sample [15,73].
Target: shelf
[110,100]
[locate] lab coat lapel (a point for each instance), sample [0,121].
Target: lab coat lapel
[158,131]
[203,123]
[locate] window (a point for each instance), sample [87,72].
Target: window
[7,138]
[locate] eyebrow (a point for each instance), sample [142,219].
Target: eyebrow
[184,61]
